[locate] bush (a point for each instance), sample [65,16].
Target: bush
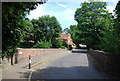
[70,47]
[57,43]
[65,44]
[26,45]
[110,43]
[63,47]
[42,44]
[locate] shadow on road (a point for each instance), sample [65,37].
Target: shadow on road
[82,72]
[70,73]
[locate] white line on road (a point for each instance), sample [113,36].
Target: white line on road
[30,75]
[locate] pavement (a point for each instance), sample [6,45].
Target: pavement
[21,71]
[76,65]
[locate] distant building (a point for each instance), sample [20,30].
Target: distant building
[67,38]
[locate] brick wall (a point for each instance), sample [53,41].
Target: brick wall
[108,63]
[24,53]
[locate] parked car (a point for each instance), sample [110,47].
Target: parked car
[83,46]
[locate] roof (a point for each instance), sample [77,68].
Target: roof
[65,36]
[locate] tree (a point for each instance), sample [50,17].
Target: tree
[110,42]
[117,27]
[66,30]
[57,43]
[92,18]
[27,34]
[55,29]
[42,44]
[75,34]
[13,14]
[46,28]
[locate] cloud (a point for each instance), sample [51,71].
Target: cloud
[68,13]
[39,11]
[110,9]
[110,0]
[61,5]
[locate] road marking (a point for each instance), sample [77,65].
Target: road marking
[35,68]
[30,75]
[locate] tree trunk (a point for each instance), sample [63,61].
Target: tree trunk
[11,59]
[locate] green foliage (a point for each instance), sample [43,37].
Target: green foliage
[110,42]
[57,43]
[66,30]
[27,34]
[42,44]
[70,47]
[111,38]
[65,44]
[92,18]
[117,27]
[13,14]
[46,28]
[96,27]
[63,47]
[75,34]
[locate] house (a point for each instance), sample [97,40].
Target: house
[67,38]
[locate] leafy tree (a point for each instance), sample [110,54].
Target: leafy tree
[27,34]
[109,42]
[92,18]
[13,14]
[66,30]
[46,28]
[75,34]
[42,44]
[111,37]
[117,27]
[57,43]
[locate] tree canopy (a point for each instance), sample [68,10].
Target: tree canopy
[45,31]
[92,18]
[97,28]
[13,14]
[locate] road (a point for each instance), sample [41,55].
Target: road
[76,65]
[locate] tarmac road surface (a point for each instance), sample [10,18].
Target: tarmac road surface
[76,65]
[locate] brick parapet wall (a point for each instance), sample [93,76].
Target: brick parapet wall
[24,53]
[108,63]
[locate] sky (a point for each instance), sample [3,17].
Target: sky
[64,10]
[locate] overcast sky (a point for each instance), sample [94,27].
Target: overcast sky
[64,10]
